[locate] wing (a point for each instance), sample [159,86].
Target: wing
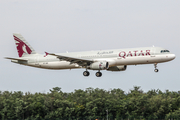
[79,61]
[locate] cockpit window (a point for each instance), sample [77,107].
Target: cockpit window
[163,51]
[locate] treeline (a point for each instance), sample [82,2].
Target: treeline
[90,104]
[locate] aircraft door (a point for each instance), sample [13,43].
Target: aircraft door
[37,61]
[79,56]
[152,52]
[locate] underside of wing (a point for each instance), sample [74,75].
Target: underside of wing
[79,61]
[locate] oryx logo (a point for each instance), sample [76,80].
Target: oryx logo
[21,47]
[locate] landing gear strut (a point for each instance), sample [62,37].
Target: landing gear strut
[86,73]
[99,74]
[156,70]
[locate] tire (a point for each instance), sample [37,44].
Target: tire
[98,74]
[156,70]
[86,73]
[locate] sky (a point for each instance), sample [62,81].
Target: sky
[57,26]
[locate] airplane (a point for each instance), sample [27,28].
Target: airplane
[110,60]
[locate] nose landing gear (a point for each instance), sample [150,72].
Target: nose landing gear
[156,70]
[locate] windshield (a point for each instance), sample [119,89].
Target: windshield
[164,51]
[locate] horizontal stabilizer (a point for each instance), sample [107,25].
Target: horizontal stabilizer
[23,60]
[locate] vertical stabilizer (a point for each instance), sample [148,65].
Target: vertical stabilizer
[23,47]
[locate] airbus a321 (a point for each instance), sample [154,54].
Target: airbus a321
[110,60]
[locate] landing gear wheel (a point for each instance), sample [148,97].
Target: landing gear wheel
[86,73]
[98,74]
[156,70]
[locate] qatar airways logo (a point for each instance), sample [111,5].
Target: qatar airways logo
[124,54]
[21,47]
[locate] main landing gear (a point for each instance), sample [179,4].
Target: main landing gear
[156,70]
[98,74]
[86,73]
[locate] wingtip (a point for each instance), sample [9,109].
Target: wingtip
[46,54]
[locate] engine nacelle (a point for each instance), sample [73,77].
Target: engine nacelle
[117,68]
[99,66]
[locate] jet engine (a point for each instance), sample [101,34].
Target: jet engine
[117,68]
[99,66]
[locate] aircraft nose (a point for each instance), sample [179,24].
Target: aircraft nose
[172,56]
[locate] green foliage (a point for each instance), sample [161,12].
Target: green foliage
[90,104]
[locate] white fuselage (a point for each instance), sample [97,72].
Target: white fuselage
[117,57]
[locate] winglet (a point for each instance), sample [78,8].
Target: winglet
[46,54]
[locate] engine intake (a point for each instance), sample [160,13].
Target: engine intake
[99,66]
